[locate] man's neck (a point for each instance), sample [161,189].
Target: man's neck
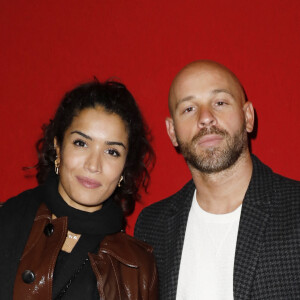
[223,192]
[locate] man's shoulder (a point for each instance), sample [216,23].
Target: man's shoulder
[286,186]
[172,202]
[278,180]
[286,181]
[265,175]
[284,192]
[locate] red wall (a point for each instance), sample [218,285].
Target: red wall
[48,47]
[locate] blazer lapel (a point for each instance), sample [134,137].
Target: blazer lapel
[174,238]
[250,238]
[253,222]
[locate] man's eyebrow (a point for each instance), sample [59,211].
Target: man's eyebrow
[216,91]
[184,99]
[82,134]
[111,143]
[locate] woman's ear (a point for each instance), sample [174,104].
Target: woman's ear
[171,131]
[57,149]
[249,116]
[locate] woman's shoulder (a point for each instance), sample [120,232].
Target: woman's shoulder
[125,247]
[21,203]
[129,255]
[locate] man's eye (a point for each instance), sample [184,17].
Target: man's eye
[189,109]
[113,152]
[221,103]
[79,143]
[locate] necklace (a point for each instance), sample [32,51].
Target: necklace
[73,236]
[70,242]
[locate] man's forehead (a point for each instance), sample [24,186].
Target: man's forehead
[203,74]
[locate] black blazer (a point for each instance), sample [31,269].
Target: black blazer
[267,258]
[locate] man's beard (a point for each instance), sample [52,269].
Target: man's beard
[214,159]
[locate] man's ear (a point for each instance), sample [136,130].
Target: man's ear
[249,116]
[57,149]
[171,131]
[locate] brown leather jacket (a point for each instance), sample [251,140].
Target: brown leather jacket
[124,267]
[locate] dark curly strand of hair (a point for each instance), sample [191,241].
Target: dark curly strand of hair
[114,98]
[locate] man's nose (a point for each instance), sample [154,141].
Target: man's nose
[206,117]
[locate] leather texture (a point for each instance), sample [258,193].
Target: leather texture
[267,257]
[124,267]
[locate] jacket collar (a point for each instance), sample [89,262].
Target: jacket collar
[124,248]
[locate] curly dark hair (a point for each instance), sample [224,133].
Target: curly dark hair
[115,98]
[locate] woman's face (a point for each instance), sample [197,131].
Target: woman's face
[91,158]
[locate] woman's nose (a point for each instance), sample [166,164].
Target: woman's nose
[94,163]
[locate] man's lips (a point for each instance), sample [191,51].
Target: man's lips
[209,140]
[88,182]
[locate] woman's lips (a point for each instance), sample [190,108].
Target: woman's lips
[210,140]
[88,183]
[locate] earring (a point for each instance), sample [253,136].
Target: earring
[120,180]
[56,169]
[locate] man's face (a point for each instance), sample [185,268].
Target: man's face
[210,118]
[214,159]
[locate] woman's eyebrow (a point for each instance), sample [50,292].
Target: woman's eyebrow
[82,134]
[111,143]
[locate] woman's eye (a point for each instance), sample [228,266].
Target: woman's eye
[79,143]
[113,152]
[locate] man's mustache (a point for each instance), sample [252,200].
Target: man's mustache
[209,130]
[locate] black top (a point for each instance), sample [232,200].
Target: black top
[73,276]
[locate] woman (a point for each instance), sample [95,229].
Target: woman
[62,240]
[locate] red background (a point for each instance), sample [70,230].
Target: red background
[48,47]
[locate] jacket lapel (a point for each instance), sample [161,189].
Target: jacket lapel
[174,238]
[250,238]
[253,223]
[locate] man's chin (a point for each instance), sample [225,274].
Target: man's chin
[212,160]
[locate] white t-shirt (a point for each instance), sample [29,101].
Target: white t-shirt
[206,267]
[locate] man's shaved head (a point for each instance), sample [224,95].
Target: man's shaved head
[204,67]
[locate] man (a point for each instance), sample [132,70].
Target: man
[233,232]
